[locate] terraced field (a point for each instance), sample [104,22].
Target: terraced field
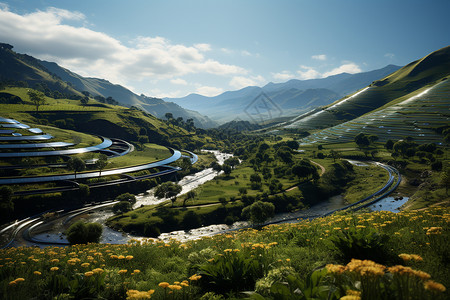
[416,116]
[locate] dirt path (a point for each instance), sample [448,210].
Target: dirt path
[322,168]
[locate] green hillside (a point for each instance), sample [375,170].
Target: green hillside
[420,115]
[97,118]
[420,74]
[26,71]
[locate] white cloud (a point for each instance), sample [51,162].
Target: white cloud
[319,57]
[179,81]
[350,68]
[91,53]
[306,73]
[161,94]
[389,55]
[239,82]
[245,53]
[226,50]
[209,91]
[283,75]
[203,47]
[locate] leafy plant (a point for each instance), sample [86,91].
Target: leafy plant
[315,286]
[232,271]
[361,243]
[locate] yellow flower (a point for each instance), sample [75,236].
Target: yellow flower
[129,257]
[19,280]
[11,283]
[53,269]
[353,293]
[351,297]
[137,271]
[195,277]
[163,284]
[227,250]
[434,286]
[98,271]
[37,273]
[337,269]
[138,295]
[122,272]
[85,265]
[88,274]
[121,257]
[175,287]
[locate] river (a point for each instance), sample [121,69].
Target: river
[191,182]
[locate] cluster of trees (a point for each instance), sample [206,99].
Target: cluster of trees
[408,148]
[188,124]
[108,100]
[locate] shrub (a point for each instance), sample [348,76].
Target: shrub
[127,197]
[361,243]
[83,233]
[122,207]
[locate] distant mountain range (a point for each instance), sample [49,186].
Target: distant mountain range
[286,99]
[23,68]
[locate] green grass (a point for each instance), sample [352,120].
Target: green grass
[368,180]
[150,153]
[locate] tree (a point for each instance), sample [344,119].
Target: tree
[258,212]
[101,163]
[389,144]
[37,98]
[445,179]
[169,116]
[83,233]
[84,101]
[334,155]
[232,162]
[226,169]
[6,203]
[168,190]
[292,144]
[76,164]
[190,195]
[255,178]
[362,140]
[304,169]
[285,154]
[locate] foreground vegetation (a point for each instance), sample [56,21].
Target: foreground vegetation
[377,255]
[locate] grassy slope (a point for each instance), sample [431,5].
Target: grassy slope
[97,118]
[417,75]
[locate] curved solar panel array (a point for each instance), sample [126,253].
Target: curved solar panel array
[15,144]
[415,117]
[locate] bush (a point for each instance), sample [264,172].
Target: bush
[83,233]
[127,197]
[361,243]
[258,212]
[122,207]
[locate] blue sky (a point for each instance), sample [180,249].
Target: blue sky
[173,48]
